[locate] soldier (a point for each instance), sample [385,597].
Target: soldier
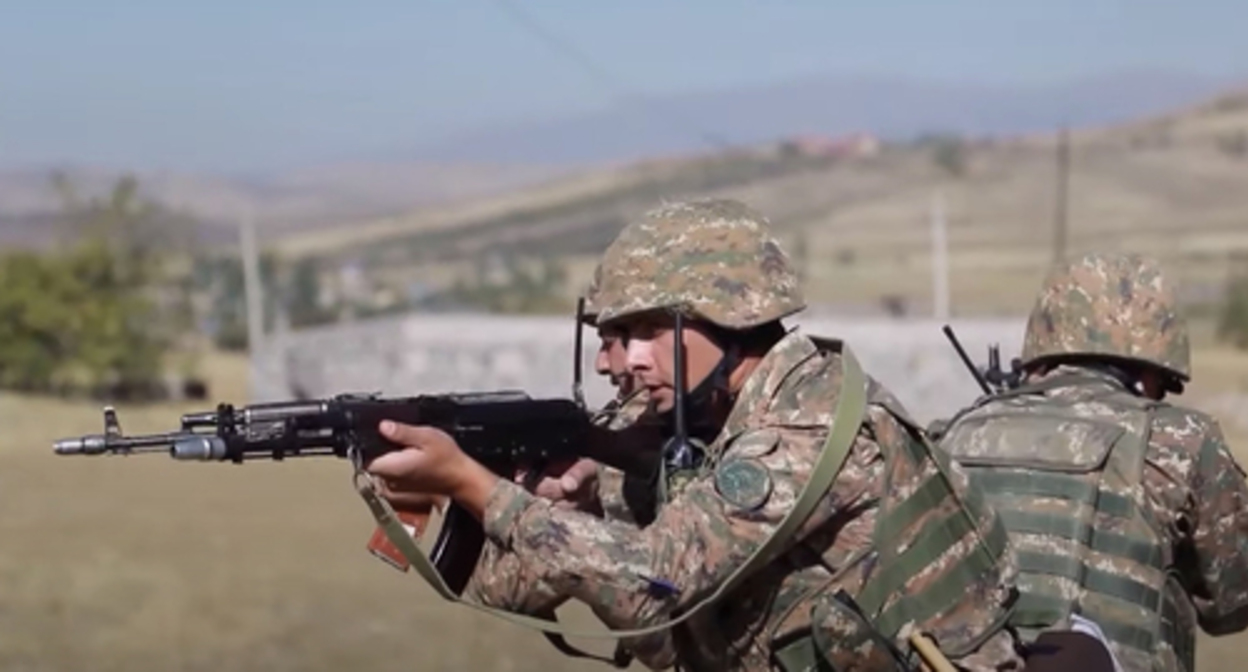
[504,580]
[894,545]
[620,497]
[585,483]
[1125,510]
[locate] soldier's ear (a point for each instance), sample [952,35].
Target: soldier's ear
[1155,384]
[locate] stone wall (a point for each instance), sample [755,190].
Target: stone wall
[446,353]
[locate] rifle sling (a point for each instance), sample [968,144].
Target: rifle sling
[851,408]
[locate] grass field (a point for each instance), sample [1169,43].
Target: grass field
[138,564]
[145,564]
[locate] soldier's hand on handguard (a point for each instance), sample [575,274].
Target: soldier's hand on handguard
[431,463]
[568,484]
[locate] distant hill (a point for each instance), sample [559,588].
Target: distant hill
[890,107]
[1170,184]
[474,166]
[300,201]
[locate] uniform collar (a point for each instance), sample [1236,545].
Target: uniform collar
[1085,375]
[767,380]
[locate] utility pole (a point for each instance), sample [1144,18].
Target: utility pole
[940,258]
[1062,195]
[252,289]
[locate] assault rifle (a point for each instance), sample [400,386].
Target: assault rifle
[504,431]
[992,379]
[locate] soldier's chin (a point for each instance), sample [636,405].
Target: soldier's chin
[661,400]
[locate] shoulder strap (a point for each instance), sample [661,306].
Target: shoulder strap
[851,407]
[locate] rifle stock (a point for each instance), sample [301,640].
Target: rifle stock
[504,431]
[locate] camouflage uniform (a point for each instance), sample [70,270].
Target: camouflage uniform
[612,492]
[900,532]
[501,579]
[1120,507]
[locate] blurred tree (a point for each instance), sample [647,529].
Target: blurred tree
[69,323]
[36,325]
[100,314]
[222,278]
[1233,318]
[949,153]
[505,283]
[303,298]
[120,339]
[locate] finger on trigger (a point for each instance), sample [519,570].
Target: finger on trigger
[387,466]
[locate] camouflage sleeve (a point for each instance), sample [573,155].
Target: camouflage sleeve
[633,577]
[1195,476]
[610,492]
[501,580]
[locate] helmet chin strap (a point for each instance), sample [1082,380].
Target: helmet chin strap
[704,402]
[684,453]
[578,342]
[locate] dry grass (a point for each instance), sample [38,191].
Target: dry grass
[144,564]
[1184,204]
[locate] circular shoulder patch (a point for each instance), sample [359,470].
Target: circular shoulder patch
[744,483]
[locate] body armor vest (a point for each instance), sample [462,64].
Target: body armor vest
[1065,474]
[916,531]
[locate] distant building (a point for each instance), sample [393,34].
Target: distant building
[852,146]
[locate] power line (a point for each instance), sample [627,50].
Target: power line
[595,71]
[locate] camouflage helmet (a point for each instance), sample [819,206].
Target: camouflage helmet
[712,259]
[1109,305]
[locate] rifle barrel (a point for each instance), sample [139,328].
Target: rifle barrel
[96,444]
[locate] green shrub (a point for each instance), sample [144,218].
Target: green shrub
[1233,318]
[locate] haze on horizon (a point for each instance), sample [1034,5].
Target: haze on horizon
[236,86]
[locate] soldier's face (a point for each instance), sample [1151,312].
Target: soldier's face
[612,359]
[650,357]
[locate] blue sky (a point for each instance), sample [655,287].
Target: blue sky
[234,85]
